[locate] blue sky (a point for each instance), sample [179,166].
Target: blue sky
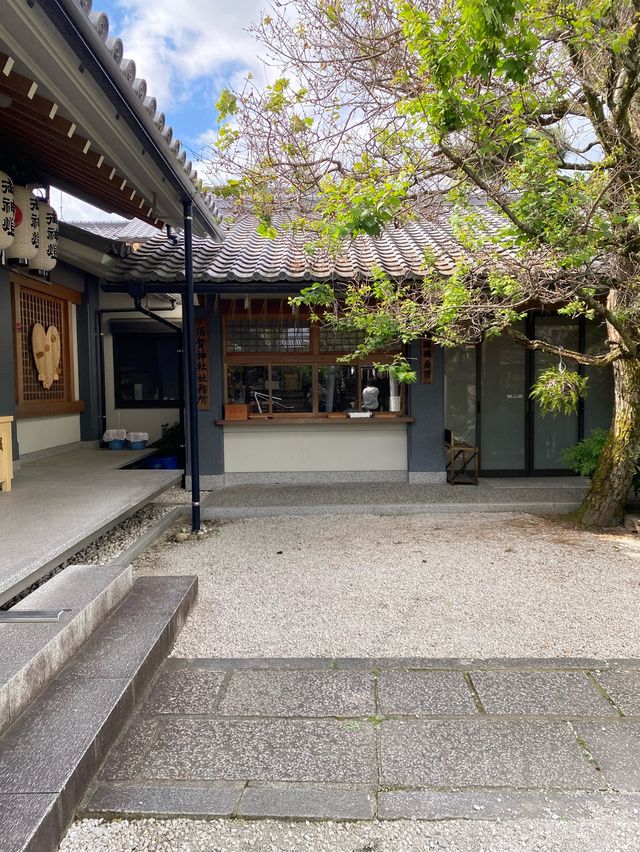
[187,50]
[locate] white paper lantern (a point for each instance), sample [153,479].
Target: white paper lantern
[27,233]
[7,212]
[47,253]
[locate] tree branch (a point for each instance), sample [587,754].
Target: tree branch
[482,184]
[580,357]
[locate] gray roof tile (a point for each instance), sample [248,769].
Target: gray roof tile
[245,257]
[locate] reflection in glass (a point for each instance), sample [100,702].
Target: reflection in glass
[460,392]
[291,389]
[504,405]
[249,385]
[598,406]
[553,433]
[337,388]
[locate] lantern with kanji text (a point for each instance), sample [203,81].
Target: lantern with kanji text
[7,212]
[27,231]
[47,254]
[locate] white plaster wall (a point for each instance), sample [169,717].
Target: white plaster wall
[41,433]
[316,447]
[132,419]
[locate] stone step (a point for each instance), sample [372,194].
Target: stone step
[33,654]
[51,753]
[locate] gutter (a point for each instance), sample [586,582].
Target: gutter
[76,29]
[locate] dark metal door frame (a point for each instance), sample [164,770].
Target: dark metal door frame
[528,380]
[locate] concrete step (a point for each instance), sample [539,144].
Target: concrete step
[51,753]
[33,654]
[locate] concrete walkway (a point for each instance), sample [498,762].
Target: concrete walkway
[60,503]
[359,739]
[535,494]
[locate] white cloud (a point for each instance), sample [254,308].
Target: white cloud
[175,45]
[70,209]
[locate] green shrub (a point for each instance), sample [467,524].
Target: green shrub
[583,456]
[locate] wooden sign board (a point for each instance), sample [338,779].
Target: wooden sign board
[203,386]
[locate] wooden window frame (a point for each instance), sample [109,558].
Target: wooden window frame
[45,408]
[312,357]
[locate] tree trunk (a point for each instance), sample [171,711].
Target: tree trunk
[603,506]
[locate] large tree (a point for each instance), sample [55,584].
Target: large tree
[382,110]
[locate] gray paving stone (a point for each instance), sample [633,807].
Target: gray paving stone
[624,689]
[483,752]
[616,748]
[298,693]
[424,693]
[480,804]
[184,692]
[306,802]
[540,693]
[122,801]
[261,750]
[124,761]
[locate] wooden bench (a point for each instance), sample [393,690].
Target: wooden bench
[463,464]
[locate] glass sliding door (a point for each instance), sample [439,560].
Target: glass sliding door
[598,406]
[504,406]
[553,433]
[460,392]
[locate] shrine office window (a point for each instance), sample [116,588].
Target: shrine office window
[146,365]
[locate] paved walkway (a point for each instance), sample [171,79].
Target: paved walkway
[526,494]
[360,739]
[59,503]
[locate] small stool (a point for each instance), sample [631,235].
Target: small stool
[463,466]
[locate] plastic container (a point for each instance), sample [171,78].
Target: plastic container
[115,439]
[137,440]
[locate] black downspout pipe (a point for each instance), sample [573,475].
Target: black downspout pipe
[189,324]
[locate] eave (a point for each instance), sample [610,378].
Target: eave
[75,116]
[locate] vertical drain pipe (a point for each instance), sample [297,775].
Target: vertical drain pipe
[188,321]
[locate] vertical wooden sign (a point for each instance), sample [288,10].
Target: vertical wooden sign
[203,393]
[426,361]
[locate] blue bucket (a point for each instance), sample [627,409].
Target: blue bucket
[137,445]
[116,445]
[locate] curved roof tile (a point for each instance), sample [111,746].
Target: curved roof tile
[245,256]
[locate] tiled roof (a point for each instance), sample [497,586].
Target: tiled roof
[129,231]
[115,48]
[245,257]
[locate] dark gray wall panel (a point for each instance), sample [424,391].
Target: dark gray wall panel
[211,437]
[88,376]
[426,404]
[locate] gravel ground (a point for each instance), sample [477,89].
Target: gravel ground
[616,833]
[177,496]
[480,585]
